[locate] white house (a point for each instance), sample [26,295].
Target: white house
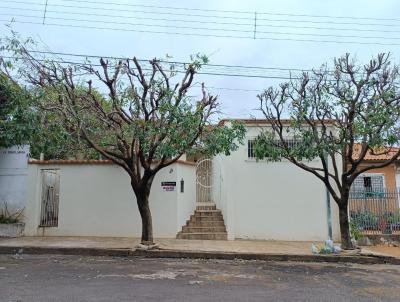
[273,200]
[257,199]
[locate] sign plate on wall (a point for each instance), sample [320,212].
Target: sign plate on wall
[168,186]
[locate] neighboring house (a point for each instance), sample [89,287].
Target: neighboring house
[374,197]
[379,178]
[229,197]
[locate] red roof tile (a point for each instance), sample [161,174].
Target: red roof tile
[380,154]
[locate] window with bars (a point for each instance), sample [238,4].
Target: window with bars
[250,149]
[367,185]
[251,146]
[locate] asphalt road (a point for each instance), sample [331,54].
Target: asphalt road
[73,278]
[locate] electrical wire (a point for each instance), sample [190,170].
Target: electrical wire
[201,34]
[62,61]
[208,16]
[83,55]
[194,21]
[217,10]
[207,28]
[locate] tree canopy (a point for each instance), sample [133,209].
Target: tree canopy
[16,118]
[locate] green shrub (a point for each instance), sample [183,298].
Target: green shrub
[394,218]
[355,230]
[365,220]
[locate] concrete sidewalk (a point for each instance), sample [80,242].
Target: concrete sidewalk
[236,246]
[248,249]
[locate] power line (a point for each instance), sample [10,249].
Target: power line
[203,35]
[206,29]
[133,11]
[209,29]
[228,73]
[139,24]
[221,11]
[62,61]
[330,28]
[173,62]
[228,68]
[192,21]
[210,16]
[147,69]
[230,89]
[210,69]
[207,87]
[164,7]
[125,17]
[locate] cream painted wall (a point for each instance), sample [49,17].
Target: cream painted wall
[97,200]
[276,201]
[186,203]
[259,200]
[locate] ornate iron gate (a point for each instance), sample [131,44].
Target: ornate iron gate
[207,181]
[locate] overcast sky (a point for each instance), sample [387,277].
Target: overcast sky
[384,29]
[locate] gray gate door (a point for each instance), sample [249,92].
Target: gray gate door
[49,198]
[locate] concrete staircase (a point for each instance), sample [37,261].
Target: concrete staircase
[207,223]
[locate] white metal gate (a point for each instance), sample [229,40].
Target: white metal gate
[207,181]
[49,198]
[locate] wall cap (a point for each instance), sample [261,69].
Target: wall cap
[87,162]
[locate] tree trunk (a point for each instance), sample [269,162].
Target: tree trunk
[344,226]
[145,214]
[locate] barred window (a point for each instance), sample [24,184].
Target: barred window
[250,149]
[292,143]
[367,185]
[369,182]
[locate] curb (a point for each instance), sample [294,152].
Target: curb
[32,250]
[165,253]
[268,257]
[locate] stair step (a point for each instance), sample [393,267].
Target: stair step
[206,223]
[211,223]
[207,208]
[203,229]
[214,214]
[206,218]
[207,213]
[203,236]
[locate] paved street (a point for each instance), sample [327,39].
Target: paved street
[73,278]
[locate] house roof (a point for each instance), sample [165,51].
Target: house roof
[379,155]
